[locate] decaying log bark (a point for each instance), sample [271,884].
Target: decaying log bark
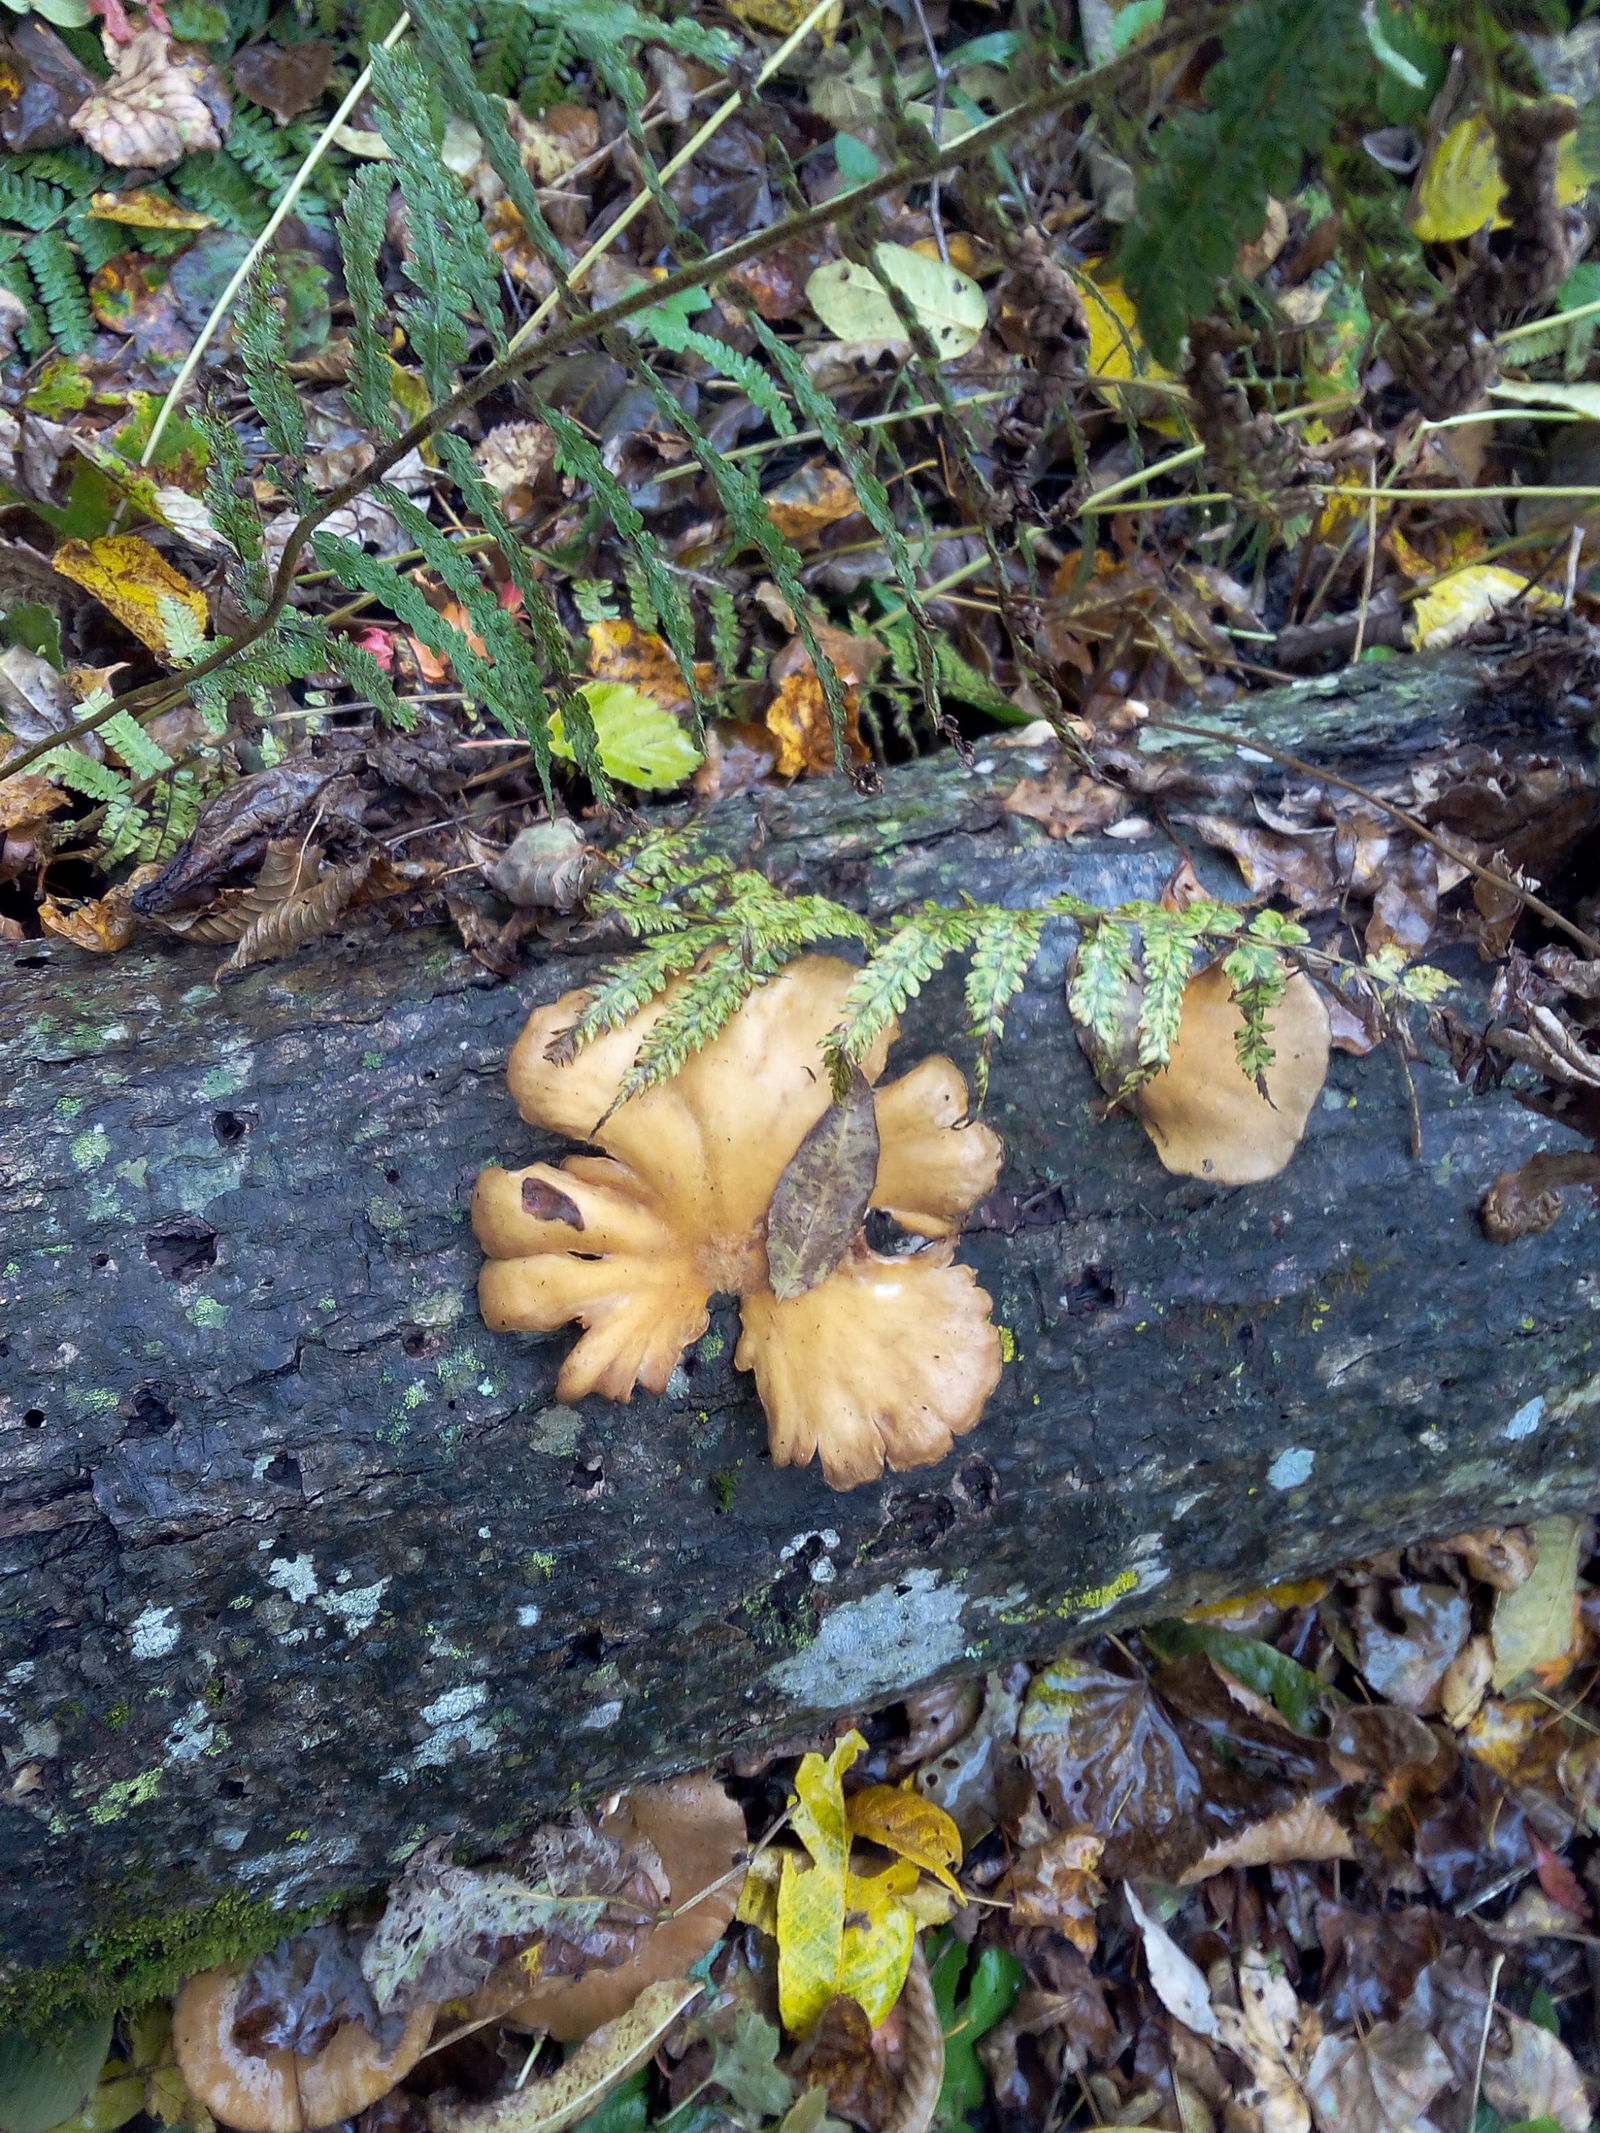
[300,1564]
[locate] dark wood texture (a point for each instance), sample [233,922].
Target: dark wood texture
[299,1564]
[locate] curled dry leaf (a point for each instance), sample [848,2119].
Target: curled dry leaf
[884,1360]
[283,79]
[1055,1884]
[547,866]
[103,925]
[820,1202]
[1304,1831]
[296,897]
[161,103]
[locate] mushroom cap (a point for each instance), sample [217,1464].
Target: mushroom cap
[282,2092]
[699,1835]
[887,1360]
[1203,1112]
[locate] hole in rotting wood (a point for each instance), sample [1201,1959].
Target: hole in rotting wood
[419,1344]
[34,1418]
[1095,1289]
[183,1247]
[585,1650]
[230,1127]
[232,1788]
[100,1259]
[588,1472]
[152,1411]
[283,1472]
[391,1177]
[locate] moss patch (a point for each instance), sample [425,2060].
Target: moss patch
[133,1959]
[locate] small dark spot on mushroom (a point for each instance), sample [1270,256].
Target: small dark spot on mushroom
[548,1204]
[230,1127]
[588,1471]
[283,1472]
[183,1247]
[34,1418]
[151,1410]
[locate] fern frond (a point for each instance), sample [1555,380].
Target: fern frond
[1258,975]
[629,985]
[755,383]
[30,202]
[254,143]
[359,670]
[1100,985]
[139,753]
[57,278]
[261,349]
[1002,956]
[34,328]
[95,241]
[919,945]
[1167,941]
[360,240]
[77,171]
[691,1019]
[233,513]
[210,181]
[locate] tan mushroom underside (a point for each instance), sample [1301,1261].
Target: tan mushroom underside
[282,2092]
[1205,1115]
[700,1836]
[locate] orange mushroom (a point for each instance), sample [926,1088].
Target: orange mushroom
[283,2091]
[699,1836]
[880,1360]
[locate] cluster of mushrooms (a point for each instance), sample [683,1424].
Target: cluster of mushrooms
[885,1359]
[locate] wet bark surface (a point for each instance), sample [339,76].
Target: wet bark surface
[299,1564]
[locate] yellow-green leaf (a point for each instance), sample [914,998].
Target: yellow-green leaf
[854,303]
[1458,603]
[906,1823]
[641,743]
[875,1949]
[1535,1628]
[142,209]
[1460,187]
[129,577]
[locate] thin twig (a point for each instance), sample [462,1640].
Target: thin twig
[158,695]
[1483,2041]
[246,267]
[1418,828]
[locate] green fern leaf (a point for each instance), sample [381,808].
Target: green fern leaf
[261,349]
[1098,995]
[29,201]
[59,282]
[1002,956]
[360,240]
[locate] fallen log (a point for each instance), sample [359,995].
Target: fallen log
[301,1564]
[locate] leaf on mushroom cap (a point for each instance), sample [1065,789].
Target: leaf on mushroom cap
[699,1834]
[283,2092]
[633,1243]
[818,1204]
[1205,1115]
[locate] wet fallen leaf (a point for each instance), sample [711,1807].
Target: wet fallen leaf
[1534,2076]
[28,797]
[283,79]
[798,716]
[838,2058]
[103,924]
[898,1818]
[141,208]
[41,82]
[128,576]
[620,651]
[1444,616]
[514,458]
[817,495]
[1066,802]
[782,16]
[1536,1629]
[1055,1884]
[1405,1639]
[853,301]
[1304,1831]
[160,104]
[1382,2082]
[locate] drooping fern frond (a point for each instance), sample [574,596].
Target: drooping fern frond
[219,187]
[1002,956]
[30,202]
[360,237]
[272,393]
[57,278]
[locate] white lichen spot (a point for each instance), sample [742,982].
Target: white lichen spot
[869,1648]
[357,1609]
[193,1735]
[527,1616]
[42,1740]
[294,1574]
[791,1548]
[822,1571]
[455,1731]
[22,1672]
[1526,1419]
[1434,1439]
[603,1715]
[1291,1467]
[483,1533]
[154,1633]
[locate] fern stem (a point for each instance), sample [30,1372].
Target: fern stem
[151,697]
[867,422]
[642,199]
[280,214]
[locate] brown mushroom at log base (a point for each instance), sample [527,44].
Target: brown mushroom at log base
[699,1836]
[633,1243]
[283,2091]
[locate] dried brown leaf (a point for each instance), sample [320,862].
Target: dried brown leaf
[295,898]
[283,79]
[1304,1831]
[162,102]
[821,1199]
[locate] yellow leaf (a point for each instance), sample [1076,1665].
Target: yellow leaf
[1115,349]
[1460,187]
[782,16]
[758,1895]
[810,1941]
[906,1823]
[128,576]
[1471,596]
[142,209]
[875,1948]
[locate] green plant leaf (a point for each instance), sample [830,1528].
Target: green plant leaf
[992,1983]
[1294,1693]
[45,2081]
[641,744]
[853,301]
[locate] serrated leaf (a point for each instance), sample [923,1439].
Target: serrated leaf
[854,303]
[640,742]
[821,1198]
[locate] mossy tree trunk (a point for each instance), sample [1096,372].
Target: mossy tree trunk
[299,1564]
